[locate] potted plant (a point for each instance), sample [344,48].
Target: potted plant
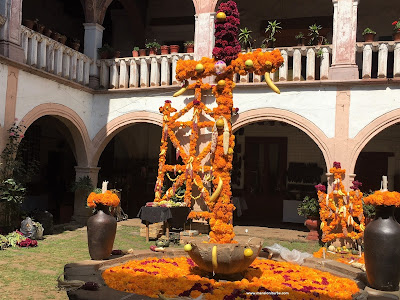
[135,52]
[62,39]
[105,52]
[396,31]
[47,32]
[55,36]
[174,48]
[300,39]
[75,44]
[189,45]
[245,38]
[309,208]
[29,23]
[38,27]
[164,49]
[142,52]
[153,47]
[369,35]
[272,29]
[315,38]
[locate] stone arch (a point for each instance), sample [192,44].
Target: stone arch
[369,132]
[274,114]
[116,125]
[73,122]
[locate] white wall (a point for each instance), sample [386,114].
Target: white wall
[3,91]
[369,103]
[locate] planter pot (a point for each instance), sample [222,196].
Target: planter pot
[190,49]
[164,50]
[152,51]
[39,28]
[55,36]
[47,32]
[174,48]
[312,224]
[75,46]
[62,39]
[301,41]
[320,40]
[117,54]
[396,36]
[103,55]
[101,230]
[135,53]
[382,251]
[29,23]
[142,52]
[369,37]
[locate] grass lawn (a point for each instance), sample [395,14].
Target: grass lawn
[31,273]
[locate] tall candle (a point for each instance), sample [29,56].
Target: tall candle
[359,250]
[104,187]
[384,183]
[323,253]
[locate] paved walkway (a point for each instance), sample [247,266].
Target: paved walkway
[261,232]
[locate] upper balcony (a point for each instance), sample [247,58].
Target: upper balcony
[379,59]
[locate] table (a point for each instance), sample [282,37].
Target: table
[170,216]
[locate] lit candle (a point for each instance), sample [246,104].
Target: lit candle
[384,183]
[104,187]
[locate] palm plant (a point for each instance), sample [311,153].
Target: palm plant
[272,28]
[314,33]
[245,37]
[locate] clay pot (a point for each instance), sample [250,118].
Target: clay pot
[39,28]
[152,51]
[142,52]
[29,23]
[75,46]
[174,48]
[47,32]
[312,225]
[101,230]
[164,50]
[301,41]
[230,257]
[117,54]
[382,251]
[55,36]
[62,39]
[396,36]
[369,37]
[190,49]
[135,53]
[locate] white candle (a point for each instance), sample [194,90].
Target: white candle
[359,250]
[104,187]
[323,253]
[384,183]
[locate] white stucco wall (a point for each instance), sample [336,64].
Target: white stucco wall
[3,91]
[368,103]
[317,104]
[34,90]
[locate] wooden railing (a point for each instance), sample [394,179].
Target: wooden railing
[379,59]
[46,54]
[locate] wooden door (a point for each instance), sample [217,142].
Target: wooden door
[264,177]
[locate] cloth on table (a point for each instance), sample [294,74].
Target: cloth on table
[293,256]
[176,216]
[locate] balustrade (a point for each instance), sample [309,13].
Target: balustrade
[49,55]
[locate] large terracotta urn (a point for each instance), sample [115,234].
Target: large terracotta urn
[312,223]
[101,230]
[382,250]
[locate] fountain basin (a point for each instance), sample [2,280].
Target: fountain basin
[230,257]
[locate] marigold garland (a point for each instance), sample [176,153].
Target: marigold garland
[339,209]
[180,277]
[108,198]
[383,198]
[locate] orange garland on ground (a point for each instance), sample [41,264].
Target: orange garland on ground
[179,276]
[192,171]
[108,199]
[319,254]
[383,198]
[338,210]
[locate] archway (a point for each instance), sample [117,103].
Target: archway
[130,163]
[277,162]
[49,142]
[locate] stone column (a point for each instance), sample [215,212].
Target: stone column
[81,212]
[92,41]
[344,40]
[10,32]
[204,35]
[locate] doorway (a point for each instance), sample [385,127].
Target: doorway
[265,177]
